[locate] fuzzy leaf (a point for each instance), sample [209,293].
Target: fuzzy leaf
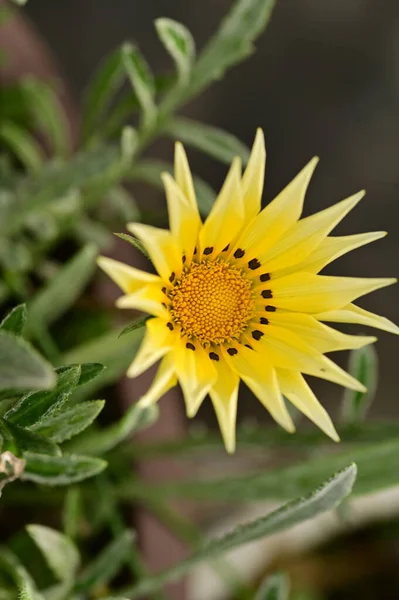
[135,325]
[363,365]
[326,497]
[21,367]
[179,43]
[213,141]
[141,79]
[276,587]
[88,371]
[32,408]
[66,424]
[134,242]
[58,551]
[15,321]
[60,293]
[61,470]
[107,564]
[18,440]
[23,145]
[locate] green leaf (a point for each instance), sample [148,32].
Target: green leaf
[363,365]
[107,564]
[61,292]
[135,325]
[326,497]
[141,79]
[59,552]
[46,110]
[101,90]
[26,590]
[66,424]
[18,440]
[11,468]
[137,417]
[232,43]
[180,44]
[15,321]
[21,367]
[33,408]
[129,144]
[213,141]
[23,145]
[72,512]
[276,587]
[149,171]
[134,242]
[61,470]
[88,371]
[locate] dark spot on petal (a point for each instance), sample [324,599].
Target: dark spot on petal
[208,250]
[257,334]
[232,351]
[190,346]
[195,250]
[184,258]
[267,294]
[172,276]
[213,356]
[254,264]
[164,290]
[239,253]
[323,370]
[164,305]
[226,248]
[270,308]
[265,277]
[169,326]
[248,346]
[264,321]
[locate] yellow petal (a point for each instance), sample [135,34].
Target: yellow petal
[329,250]
[318,336]
[253,178]
[227,215]
[162,382]
[224,394]
[183,175]
[196,374]
[278,216]
[354,314]
[286,350]
[184,218]
[310,293]
[162,247]
[126,277]
[148,299]
[297,391]
[261,378]
[304,237]
[158,340]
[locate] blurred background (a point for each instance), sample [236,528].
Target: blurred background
[324,80]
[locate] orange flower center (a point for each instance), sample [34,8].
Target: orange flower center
[212,302]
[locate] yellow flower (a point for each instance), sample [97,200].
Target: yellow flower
[239,296]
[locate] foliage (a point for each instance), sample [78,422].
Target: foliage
[59,347]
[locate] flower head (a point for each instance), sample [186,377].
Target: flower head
[239,296]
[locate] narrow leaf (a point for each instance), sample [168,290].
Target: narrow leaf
[179,43]
[137,417]
[61,470]
[135,325]
[233,41]
[363,365]
[326,497]
[141,79]
[61,292]
[58,551]
[88,371]
[23,145]
[15,321]
[48,113]
[276,587]
[134,242]
[107,564]
[67,424]
[129,143]
[101,91]
[18,440]
[213,141]
[34,407]
[21,367]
